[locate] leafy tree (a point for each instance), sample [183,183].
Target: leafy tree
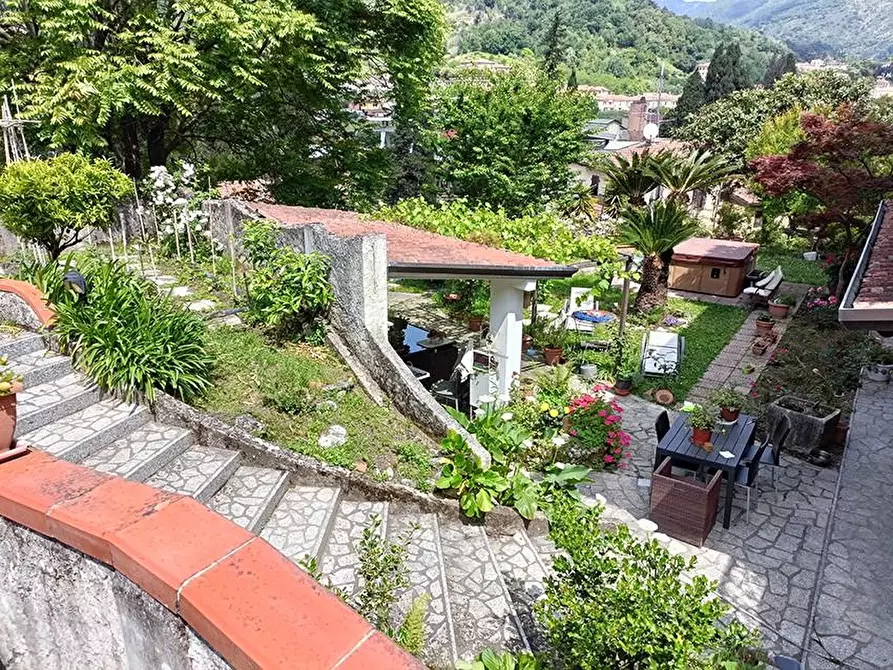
[694,96]
[728,125]
[653,231]
[269,78]
[629,181]
[726,74]
[553,46]
[572,80]
[679,176]
[845,166]
[54,201]
[509,141]
[778,67]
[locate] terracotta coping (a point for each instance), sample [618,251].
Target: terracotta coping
[32,296]
[256,608]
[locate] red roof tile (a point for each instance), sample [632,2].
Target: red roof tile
[877,283]
[408,247]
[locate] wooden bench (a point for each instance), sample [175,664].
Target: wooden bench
[763,290]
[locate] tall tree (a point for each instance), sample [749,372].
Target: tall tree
[572,80]
[553,45]
[778,67]
[509,141]
[693,97]
[725,74]
[844,166]
[142,79]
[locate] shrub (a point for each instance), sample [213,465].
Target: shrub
[617,602]
[595,426]
[131,340]
[53,201]
[289,292]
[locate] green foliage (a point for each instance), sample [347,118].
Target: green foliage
[542,235]
[130,339]
[794,267]
[478,489]
[656,228]
[617,602]
[702,417]
[506,660]
[289,292]
[730,124]
[779,66]
[777,136]
[553,46]
[47,277]
[728,398]
[8,377]
[53,201]
[411,633]
[694,96]
[725,74]
[562,480]
[509,141]
[382,573]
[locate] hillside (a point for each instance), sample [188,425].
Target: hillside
[811,27]
[619,44]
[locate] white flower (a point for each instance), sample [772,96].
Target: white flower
[507,416]
[486,399]
[478,413]
[530,398]
[559,441]
[527,444]
[180,202]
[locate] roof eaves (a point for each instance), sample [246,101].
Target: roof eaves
[481,271]
[865,315]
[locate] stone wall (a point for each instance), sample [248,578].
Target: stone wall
[359,279]
[62,609]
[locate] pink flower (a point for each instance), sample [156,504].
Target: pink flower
[573,433]
[603,412]
[611,434]
[609,458]
[622,465]
[450,134]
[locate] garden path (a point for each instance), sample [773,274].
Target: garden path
[854,611]
[768,569]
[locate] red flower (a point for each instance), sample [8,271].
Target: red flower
[609,458]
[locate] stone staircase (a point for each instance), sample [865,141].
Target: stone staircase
[480,582]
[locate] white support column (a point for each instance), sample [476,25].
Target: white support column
[506,329]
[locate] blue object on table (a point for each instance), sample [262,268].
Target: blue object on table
[593,315]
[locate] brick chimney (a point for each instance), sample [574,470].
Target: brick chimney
[636,121]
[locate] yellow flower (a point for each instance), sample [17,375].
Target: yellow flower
[544,406]
[567,410]
[553,413]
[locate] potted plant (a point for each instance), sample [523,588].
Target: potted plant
[702,419]
[729,402]
[781,305]
[10,385]
[551,339]
[587,366]
[625,379]
[877,373]
[764,324]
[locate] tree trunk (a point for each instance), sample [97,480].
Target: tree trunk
[653,288]
[156,134]
[131,155]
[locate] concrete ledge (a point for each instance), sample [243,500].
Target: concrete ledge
[25,305]
[252,605]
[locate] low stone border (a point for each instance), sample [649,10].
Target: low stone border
[253,606]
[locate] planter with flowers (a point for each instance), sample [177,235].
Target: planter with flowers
[780,306]
[10,386]
[595,426]
[729,402]
[764,324]
[702,419]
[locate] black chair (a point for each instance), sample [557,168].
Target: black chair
[662,425]
[772,457]
[449,391]
[746,476]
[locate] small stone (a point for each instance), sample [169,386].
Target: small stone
[647,525]
[181,291]
[388,473]
[333,436]
[249,423]
[338,387]
[360,466]
[201,305]
[327,405]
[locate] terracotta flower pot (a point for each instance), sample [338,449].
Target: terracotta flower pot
[700,436]
[778,311]
[729,414]
[764,327]
[552,355]
[526,343]
[759,348]
[8,416]
[475,323]
[622,386]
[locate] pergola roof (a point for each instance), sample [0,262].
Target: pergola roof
[419,253]
[868,301]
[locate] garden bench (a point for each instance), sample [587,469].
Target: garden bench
[763,290]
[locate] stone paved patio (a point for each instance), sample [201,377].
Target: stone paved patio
[767,569]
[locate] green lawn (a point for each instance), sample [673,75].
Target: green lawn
[283,387]
[793,266]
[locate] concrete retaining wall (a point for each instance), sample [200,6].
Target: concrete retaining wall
[60,609]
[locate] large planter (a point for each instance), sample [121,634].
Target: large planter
[877,373]
[588,371]
[552,355]
[813,425]
[700,436]
[8,416]
[763,327]
[779,311]
[623,386]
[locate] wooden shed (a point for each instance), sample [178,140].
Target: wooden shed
[717,267]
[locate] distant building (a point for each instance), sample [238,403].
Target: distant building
[881,88]
[817,64]
[616,102]
[702,67]
[484,64]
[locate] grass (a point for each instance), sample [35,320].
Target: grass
[283,388]
[794,268]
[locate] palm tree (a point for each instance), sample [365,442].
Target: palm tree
[629,180]
[653,231]
[699,170]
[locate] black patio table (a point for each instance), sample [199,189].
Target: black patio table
[734,438]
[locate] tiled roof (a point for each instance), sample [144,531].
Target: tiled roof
[876,289]
[411,248]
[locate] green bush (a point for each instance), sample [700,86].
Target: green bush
[53,201]
[617,602]
[289,292]
[130,339]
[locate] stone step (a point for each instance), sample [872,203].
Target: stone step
[298,525]
[523,573]
[479,602]
[250,496]
[340,560]
[199,472]
[76,436]
[143,452]
[426,575]
[45,403]
[40,366]
[23,342]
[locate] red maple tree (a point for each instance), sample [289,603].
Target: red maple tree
[845,165]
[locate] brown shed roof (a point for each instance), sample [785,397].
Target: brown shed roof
[414,251]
